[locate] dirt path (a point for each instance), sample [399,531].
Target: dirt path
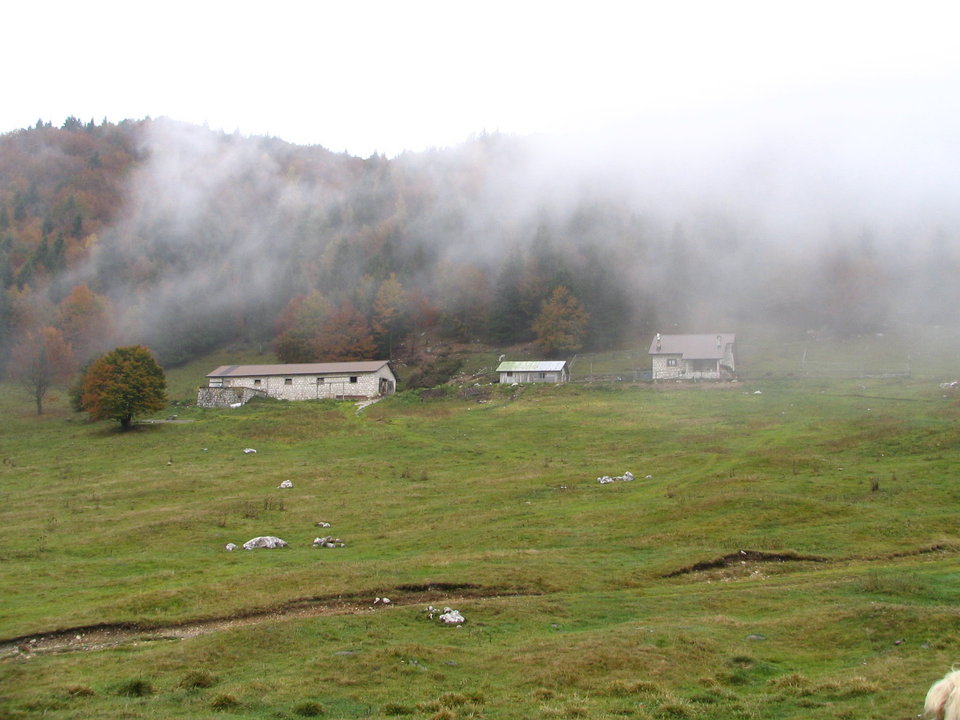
[100,637]
[363,404]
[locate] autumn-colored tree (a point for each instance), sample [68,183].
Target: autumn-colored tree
[299,325]
[345,335]
[390,313]
[562,323]
[85,319]
[41,360]
[423,315]
[125,382]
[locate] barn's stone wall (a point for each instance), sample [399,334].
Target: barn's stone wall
[314,387]
[223,397]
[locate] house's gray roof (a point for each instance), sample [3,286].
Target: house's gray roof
[531,366]
[359,367]
[692,347]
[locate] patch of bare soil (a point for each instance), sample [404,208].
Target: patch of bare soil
[109,635]
[742,558]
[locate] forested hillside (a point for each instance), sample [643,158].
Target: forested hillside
[184,239]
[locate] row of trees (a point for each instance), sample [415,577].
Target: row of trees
[183,239]
[313,327]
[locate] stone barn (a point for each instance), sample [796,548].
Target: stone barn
[529,371]
[299,381]
[694,357]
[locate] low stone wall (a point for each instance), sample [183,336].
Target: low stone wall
[213,397]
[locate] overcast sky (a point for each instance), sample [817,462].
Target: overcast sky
[394,75]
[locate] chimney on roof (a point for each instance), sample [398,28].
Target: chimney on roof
[658,341]
[719,341]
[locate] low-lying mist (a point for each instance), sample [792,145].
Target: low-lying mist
[832,211]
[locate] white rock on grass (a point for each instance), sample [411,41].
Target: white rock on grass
[268,542]
[230,547]
[328,542]
[626,477]
[451,617]
[249,451]
[285,484]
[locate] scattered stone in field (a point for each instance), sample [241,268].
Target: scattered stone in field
[605,479]
[323,524]
[451,617]
[230,547]
[758,392]
[756,636]
[447,616]
[268,542]
[236,405]
[649,477]
[285,484]
[950,385]
[249,451]
[381,601]
[328,542]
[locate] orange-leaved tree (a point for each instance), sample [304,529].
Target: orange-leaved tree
[345,335]
[125,382]
[299,325]
[85,319]
[562,323]
[40,360]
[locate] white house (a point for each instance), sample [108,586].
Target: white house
[693,357]
[301,381]
[528,371]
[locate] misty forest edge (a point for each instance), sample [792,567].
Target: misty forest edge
[184,240]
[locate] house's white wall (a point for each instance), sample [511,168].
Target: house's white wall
[306,387]
[687,369]
[663,371]
[728,357]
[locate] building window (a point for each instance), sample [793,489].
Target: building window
[288,381]
[216,382]
[320,381]
[353,378]
[543,376]
[256,381]
[510,374]
[671,362]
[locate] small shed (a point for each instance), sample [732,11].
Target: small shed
[694,357]
[300,381]
[529,371]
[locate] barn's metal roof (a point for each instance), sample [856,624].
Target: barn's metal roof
[692,347]
[359,367]
[531,366]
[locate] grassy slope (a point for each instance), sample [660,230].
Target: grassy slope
[579,618]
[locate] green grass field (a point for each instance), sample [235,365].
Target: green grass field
[788,549]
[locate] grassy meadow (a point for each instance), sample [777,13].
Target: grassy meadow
[788,549]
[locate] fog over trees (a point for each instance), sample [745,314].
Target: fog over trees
[835,213]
